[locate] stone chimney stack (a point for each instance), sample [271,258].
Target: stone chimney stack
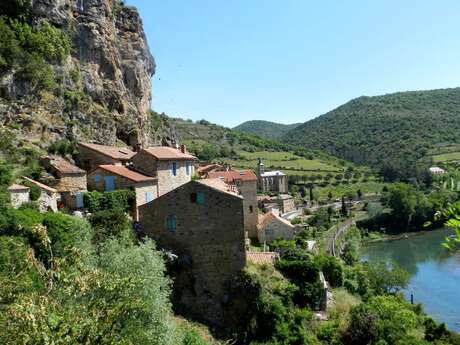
[138,147]
[183,148]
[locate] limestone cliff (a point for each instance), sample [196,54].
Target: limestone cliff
[103,88]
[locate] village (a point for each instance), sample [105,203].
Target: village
[213,219]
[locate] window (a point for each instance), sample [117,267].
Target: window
[79,200]
[174,168]
[97,178]
[200,198]
[193,198]
[251,209]
[148,196]
[187,168]
[109,183]
[171,223]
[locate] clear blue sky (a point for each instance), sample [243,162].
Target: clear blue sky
[288,61]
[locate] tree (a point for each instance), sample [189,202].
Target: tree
[360,194]
[402,200]
[386,278]
[344,209]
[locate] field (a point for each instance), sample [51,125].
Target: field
[287,162]
[446,157]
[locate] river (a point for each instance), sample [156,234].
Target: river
[435,273]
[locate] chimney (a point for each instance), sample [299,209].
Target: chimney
[183,148]
[138,147]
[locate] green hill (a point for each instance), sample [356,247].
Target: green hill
[395,133]
[265,129]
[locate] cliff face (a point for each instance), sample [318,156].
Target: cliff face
[104,89]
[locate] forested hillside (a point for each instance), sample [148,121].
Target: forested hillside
[265,129]
[391,132]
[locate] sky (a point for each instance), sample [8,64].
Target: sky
[288,61]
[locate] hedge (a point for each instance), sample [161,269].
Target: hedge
[122,199]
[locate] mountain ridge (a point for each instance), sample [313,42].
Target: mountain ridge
[265,129]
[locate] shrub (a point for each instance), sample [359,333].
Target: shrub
[122,200]
[110,224]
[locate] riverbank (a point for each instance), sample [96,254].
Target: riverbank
[388,238]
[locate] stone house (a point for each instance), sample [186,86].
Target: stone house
[272,227]
[92,155]
[271,181]
[246,184]
[106,178]
[285,203]
[202,223]
[19,195]
[172,167]
[68,179]
[47,201]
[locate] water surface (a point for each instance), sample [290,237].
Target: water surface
[435,273]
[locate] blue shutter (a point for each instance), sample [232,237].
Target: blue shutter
[148,196]
[174,168]
[200,198]
[79,200]
[109,183]
[97,178]
[187,168]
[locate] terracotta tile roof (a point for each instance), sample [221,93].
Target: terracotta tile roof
[266,218]
[231,176]
[219,185]
[260,258]
[62,165]
[40,185]
[17,187]
[207,168]
[168,153]
[119,153]
[124,172]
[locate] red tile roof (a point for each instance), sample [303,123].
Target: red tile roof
[266,218]
[219,185]
[17,187]
[168,153]
[207,168]
[40,185]
[231,176]
[119,153]
[260,258]
[125,172]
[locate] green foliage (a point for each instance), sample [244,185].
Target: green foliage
[110,224]
[30,50]
[15,8]
[332,269]
[391,132]
[385,278]
[382,318]
[122,200]
[63,147]
[265,129]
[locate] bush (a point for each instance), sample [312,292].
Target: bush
[122,200]
[109,224]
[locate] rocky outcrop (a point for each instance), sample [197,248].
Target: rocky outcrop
[104,91]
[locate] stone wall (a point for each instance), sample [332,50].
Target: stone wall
[19,197]
[276,229]
[47,201]
[89,159]
[70,183]
[248,190]
[209,240]
[149,165]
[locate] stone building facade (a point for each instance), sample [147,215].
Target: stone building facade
[19,195]
[48,199]
[285,203]
[106,178]
[68,179]
[271,181]
[246,184]
[91,155]
[172,167]
[272,227]
[202,223]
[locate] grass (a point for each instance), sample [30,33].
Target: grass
[287,162]
[445,157]
[369,187]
